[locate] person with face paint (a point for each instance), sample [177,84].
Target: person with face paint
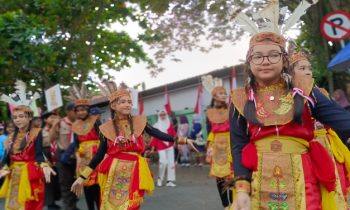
[165,150]
[277,162]
[24,165]
[300,67]
[124,175]
[86,141]
[218,149]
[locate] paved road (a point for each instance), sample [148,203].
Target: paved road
[194,191]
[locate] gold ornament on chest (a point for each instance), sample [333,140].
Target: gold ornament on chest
[273,104]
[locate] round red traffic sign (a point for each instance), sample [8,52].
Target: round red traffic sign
[335,26]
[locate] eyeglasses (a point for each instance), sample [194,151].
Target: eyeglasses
[273,58]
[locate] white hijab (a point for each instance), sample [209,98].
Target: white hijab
[163,125]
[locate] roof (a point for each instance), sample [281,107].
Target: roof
[193,81]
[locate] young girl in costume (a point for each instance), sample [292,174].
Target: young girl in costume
[24,165]
[277,162]
[218,149]
[301,67]
[123,173]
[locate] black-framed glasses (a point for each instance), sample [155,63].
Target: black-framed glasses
[273,58]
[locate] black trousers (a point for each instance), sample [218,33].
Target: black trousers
[92,196]
[225,195]
[51,193]
[66,178]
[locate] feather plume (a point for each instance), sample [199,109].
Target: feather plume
[76,92]
[104,91]
[112,86]
[7,99]
[298,12]
[106,86]
[84,91]
[245,22]
[271,14]
[208,83]
[21,87]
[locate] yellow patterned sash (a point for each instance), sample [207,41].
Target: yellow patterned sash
[85,153]
[16,187]
[116,185]
[222,159]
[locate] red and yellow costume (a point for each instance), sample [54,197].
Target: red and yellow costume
[219,143]
[290,169]
[123,174]
[24,186]
[87,139]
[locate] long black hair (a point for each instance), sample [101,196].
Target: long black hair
[250,109]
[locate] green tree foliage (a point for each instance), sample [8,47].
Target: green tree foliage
[45,42]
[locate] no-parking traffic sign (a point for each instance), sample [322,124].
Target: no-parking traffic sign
[335,26]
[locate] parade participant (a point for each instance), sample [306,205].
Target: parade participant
[85,140]
[165,150]
[61,132]
[49,149]
[277,163]
[341,99]
[24,165]
[124,175]
[197,135]
[300,67]
[218,145]
[184,150]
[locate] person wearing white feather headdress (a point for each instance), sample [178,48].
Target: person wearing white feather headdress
[123,174]
[85,141]
[277,163]
[218,144]
[24,165]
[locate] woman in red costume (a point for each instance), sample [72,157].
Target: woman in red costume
[24,165]
[301,67]
[277,162]
[123,174]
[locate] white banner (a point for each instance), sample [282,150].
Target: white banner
[134,97]
[53,98]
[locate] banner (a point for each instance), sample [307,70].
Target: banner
[53,98]
[134,97]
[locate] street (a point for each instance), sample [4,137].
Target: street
[194,190]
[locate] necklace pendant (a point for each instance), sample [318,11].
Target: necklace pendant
[272,98]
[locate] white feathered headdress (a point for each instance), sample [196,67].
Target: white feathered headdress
[20,97]
[109,89]
[209,83]
[268,19]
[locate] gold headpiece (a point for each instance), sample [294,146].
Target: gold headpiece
[20,98]
[80,97]
[111,91]
[298,56]
[266,28]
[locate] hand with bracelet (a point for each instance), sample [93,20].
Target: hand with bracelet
[242,200]
[185,140]
[48,171]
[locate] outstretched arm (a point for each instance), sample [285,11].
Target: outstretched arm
[158,134]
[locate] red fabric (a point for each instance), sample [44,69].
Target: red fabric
[36,178]
[141,105]
[312,192]
[167,101]
[323,165]
[197,108]
[161,145]
[342,178]
[220,127]
[91,135]
[27,154]
[250,157]
[304,131]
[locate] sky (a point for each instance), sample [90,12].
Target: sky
[192,63]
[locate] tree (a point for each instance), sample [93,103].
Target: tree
[45,42]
